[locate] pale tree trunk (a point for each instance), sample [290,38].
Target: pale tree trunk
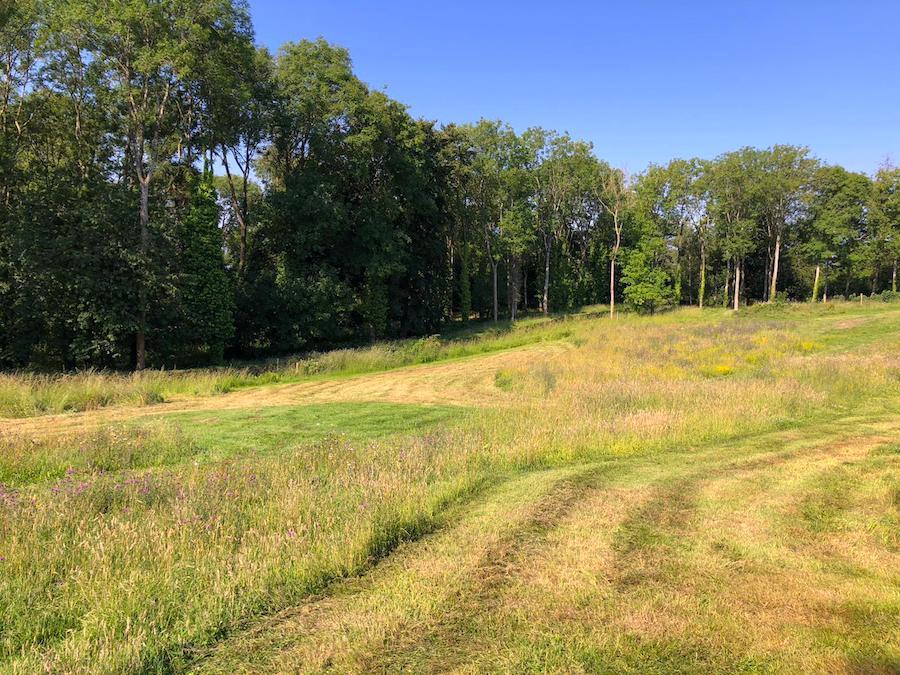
[773,289]
[490,253]
[702,273]
[815,295]
[688,260]
[894,277]
[737,285]
[612,268]
[727,284]
[512,286]
[545,302]
[612,287]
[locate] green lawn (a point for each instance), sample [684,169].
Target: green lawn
[228,433]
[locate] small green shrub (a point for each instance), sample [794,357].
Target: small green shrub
[505,379]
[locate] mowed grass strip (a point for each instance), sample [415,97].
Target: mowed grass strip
[33,394]
[231,432]
[686,562]
[209,436]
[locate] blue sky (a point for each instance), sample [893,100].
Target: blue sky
[644,81]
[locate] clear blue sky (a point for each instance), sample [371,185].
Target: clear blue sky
[644,81]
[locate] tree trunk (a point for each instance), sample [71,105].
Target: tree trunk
[727,296]
[494,275]
[677,281]
[245,209]
[702,291]
[512,287]
[140,340]
[612,287]
[737,285]
[689,259]
[525,289]
[894,277]
[612,269]
[545,302]
[240,209]
[773,289]
[815,295]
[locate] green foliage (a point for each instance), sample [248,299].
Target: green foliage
[648,287]
[206,324]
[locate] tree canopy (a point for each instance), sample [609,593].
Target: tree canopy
[336,217]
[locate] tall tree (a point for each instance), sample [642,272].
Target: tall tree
[784,174]
[885,214]
[491,142]
[732,188]
[675,198]
[149,54]
[206,323]
[615,195]
[837,217]
[562,189]
[242,121]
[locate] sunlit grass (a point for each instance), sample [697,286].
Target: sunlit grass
[31,394]
[138,548]
[208,436]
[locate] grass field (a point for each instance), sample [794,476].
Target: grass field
[691,492]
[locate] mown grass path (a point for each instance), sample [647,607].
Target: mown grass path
[735,557]
[462,382]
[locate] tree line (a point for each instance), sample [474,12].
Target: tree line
[173,195]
